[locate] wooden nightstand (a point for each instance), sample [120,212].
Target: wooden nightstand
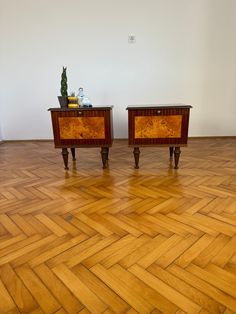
[82,127]
[158,125]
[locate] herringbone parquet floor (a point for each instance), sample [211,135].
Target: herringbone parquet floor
[120,240]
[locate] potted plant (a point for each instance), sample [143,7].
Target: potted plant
[73,100]
[63,100]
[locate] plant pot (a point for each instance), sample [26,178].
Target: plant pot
[63,101]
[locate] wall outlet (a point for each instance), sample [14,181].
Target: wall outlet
[131,39]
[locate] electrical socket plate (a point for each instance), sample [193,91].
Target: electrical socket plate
[131,39]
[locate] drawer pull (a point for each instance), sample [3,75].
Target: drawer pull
[158,111]
[80,113]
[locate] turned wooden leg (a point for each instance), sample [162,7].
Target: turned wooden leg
[136,153]
[104,154]
[65,157]
[177,153]
[171,149]
[73,153]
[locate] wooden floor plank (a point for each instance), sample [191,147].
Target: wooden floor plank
[9,225]
[73,251]
[133,257]
[122,289]
[129,248]
[164,247]
[59,249]
[106,252]
[39,291]
[6,304]
[60,291]
[55,228]
[99,288]
[211,250]
[204,287]
[226,253]
[80,257]
[189,291]
[10,241]
[173,295]
[213,279]
[29,248]
[151,295]
[21,296]
[188,256]
[79,289]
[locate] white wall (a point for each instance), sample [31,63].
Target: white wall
[184,52]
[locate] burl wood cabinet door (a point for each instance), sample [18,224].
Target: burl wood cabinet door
[163,126]
[81,128]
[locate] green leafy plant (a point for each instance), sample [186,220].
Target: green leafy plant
[64,83]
